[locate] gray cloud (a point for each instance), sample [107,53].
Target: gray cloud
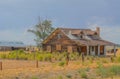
[18,15]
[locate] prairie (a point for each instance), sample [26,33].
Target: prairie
[56,68]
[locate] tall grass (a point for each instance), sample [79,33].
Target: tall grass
[106,72]
[41,56]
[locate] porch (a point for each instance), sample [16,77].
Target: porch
[98,50]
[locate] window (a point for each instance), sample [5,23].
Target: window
[49,48]
[59,36]
[92,48]
[69,49]
[58,47]
[81,36]
[95,33]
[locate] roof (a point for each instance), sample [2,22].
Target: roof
[90,37]
[78,31]
[93,42]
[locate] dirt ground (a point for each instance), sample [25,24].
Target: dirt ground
[21,69]
[27,69]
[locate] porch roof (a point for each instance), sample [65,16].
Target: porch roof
[93,42]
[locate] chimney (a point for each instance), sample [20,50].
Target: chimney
[98,30]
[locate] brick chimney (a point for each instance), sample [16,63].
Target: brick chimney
[98,30]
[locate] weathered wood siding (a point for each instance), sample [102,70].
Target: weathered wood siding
[58,47]
[101,50]
[59,42]
[69,49]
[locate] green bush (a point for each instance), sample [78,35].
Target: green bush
[115,69]
[3,56]
[47,57]
[101,71]
[104,61]
[39,57]
[118,59]
[34,78]
[83,73]
[108,71]
[60,77]
[69,76]
[62,63]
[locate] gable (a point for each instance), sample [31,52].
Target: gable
[58,37]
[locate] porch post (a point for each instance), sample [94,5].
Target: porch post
[104,50]
[87,50]
[90,50]
[98,50]
[114,50]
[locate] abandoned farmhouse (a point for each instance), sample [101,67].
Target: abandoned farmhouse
[85,41]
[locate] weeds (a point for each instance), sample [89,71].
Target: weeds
[69,76]
[83,72]
[60,77]
[34,78]
[62,63]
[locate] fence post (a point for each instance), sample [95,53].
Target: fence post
[67,58]
[0,65]
[83,58]
[36,63]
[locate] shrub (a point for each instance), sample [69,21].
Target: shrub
[60,77]
[108,71]
[112,59]
[115,69]
[20,51]
[118,59]
[62,63]
[34,78]
[91,59]
[87,69]
[104,61]
[69,76]
[3,56]
[83,75]
[39,57]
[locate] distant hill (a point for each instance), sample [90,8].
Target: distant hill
[12,43]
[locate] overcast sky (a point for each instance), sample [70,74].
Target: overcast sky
[16,16]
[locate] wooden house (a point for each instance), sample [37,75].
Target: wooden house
[69,40]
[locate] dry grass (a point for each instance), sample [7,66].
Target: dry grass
[24,69]
[4,52]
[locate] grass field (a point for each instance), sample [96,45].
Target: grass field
[92,68]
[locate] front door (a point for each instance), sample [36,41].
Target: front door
[92,50]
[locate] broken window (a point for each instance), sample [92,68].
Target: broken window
[69,49]
[58,47]
[59,36]
[49,48]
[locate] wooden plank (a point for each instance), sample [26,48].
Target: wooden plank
[0,65]
[49,48]
[69,49]
[58,47]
